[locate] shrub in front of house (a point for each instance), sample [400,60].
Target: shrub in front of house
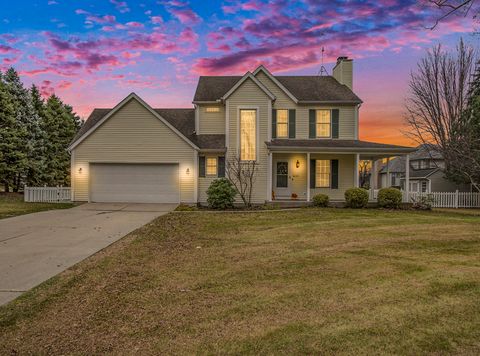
[356,198]
[423,202]
[389,198]
[221,194]
[320,200]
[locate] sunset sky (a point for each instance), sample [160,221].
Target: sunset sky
[92,53]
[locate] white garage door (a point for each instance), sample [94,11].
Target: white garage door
[134,183]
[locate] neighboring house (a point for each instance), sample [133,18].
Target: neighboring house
[301,130]
[426,172]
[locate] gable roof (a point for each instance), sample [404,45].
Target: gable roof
[181,120]
[247,76]
[306,89]
[269,75]
[425,151]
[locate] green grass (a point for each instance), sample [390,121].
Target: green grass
[310,281]
[12,204]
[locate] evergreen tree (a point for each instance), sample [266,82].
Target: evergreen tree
[60,125]
[36,169]
[26,123]
[12,138]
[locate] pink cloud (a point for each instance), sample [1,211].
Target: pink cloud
[121,6]
[134,24]
[185,16]
[156,19]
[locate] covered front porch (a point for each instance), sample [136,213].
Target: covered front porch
[299,173]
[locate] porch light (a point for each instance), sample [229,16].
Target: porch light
[297,164]
[80,170]
[187,171]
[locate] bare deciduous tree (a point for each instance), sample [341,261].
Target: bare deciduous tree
[242,175]
[439,92]
[364,167]
[452,7]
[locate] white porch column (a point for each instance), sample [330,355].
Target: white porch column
[355,172]
[269,177]
[308,176]
[407,178]
[389,179]
[373,170]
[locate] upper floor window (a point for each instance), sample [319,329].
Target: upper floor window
[248,135]
[324,123]
[211,166]
[212,109]
[282,123]
[322,173]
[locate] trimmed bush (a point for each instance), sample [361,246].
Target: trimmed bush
[221,194]
[356,198]
[389,198]
[321,200]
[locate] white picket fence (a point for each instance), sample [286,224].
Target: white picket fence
[450,199]
[46,194]
[440,199]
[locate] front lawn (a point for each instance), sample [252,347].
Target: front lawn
[12,204]
[310,281]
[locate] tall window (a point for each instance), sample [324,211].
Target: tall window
[248,135]
[322,173]
[282,123]
[324,121]
[211,166]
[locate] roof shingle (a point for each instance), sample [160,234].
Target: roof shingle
[306,88]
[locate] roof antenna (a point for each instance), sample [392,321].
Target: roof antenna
[323,70]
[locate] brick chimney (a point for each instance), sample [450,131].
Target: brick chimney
[343,71]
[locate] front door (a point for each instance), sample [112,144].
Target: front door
[281,181]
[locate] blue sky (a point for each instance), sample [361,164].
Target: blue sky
[93,53]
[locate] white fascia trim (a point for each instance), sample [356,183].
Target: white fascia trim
[249,75]
[275,80]
[118,107]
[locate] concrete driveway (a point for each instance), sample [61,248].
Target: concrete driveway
[36,247]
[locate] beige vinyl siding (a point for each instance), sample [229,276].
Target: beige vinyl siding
[250,96]
[133,135]
[211,122]
[346,164]
[346,112]
[282,100]
[346,120]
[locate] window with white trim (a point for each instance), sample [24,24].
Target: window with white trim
[282,123]
[324,123]
[212,109]
[322,173]
[248,135]
[211,166]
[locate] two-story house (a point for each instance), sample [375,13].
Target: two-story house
[302,131]
[426,172]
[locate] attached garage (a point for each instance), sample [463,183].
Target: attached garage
[134,183]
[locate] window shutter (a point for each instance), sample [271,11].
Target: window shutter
[221,167]
[312,173]
[201,166]
[312,124]
[334,169]
[335,123]
[274,123]
[291,123]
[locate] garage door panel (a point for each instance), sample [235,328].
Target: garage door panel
[137,183]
